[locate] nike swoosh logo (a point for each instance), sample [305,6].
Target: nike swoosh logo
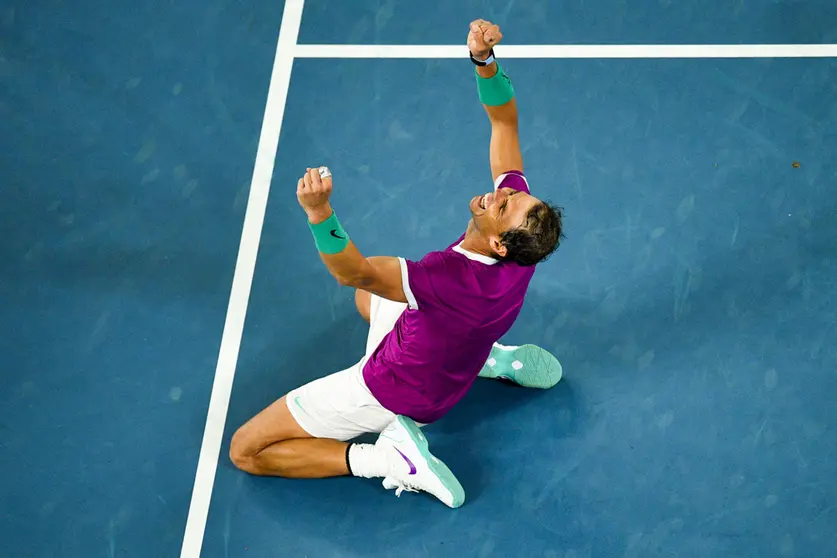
[335,235]
[407,459]
[298,404]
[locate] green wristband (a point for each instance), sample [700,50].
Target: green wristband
[329,235]
[495,91]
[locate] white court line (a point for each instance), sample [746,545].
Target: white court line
[571,51]
[251,233]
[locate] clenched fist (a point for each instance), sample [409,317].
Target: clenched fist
[313,192]
[482,37]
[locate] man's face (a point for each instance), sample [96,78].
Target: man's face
[500,211]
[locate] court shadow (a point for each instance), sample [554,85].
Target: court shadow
[496,415]
[496,400]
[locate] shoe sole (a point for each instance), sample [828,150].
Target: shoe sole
[438,468]
[540,369]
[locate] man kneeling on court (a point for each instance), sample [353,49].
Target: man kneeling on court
[434,325]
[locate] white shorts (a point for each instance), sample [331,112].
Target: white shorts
[340,406]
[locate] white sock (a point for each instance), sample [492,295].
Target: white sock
[506,347]
[368,461]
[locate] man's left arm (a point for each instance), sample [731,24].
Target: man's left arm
[378,275]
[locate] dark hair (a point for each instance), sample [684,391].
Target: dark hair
[538,238]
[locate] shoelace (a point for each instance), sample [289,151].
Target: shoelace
[408,487]
[400,486]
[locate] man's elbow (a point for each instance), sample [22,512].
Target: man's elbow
[355,281]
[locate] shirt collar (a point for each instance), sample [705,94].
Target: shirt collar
[475,257]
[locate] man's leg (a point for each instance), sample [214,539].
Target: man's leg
[304,435]
[363,301]
[273,444]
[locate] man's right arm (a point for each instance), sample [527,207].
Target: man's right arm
[497,96]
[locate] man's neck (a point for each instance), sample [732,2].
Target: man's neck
[475,243]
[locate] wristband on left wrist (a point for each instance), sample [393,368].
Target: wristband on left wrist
[329,235]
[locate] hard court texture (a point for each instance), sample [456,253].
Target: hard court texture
[692,304]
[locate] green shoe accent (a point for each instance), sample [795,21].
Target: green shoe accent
[536,367]
[439,469]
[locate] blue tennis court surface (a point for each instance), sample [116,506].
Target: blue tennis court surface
[692,304]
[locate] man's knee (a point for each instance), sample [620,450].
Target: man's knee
[241,455]
[273,425]
[363,301]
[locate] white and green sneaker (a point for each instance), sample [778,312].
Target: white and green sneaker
[413,468]
[526,365]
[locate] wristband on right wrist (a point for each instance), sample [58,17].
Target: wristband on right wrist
[485,62]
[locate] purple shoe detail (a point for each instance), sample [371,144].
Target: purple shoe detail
[407,459]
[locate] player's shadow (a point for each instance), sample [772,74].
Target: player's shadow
[463,441]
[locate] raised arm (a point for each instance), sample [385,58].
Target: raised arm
[378,275]
[497,96]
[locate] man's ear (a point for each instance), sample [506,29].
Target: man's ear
[497,246]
